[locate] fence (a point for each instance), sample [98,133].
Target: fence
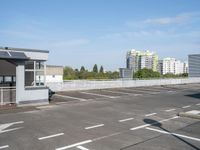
[7,95]
[71,85]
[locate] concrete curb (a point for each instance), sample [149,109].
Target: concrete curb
[183,114]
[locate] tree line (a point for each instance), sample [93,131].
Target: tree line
[83,73]
[149,73]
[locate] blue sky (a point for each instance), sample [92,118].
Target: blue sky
[85,32]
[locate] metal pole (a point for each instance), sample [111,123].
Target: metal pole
[1,96]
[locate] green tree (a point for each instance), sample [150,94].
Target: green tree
[101,69]
[82,69]
[95,68]
[69,73]
[146,73]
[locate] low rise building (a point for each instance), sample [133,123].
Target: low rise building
[194,65]
[126,73]
[54,73]
[22,76]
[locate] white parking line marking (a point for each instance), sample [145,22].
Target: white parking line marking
[117,92]
[198,104]
[5,146]
[96,126]
[74,145]
[133,90]
[107,136]
[170,110]
[179,135]
[65,96]
[127,119]
[147,115]
[186,106]
[99,95]
[147,125]
[13,129]
[82,148]
[50,136]
[7,125]
[142,91]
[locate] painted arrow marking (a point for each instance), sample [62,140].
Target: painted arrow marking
[3,127]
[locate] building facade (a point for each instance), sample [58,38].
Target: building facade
[126,73]
[54,73]
[194,65]
[137,60]
[22,76]
[172,66]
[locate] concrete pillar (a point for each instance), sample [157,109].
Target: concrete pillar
[19,81]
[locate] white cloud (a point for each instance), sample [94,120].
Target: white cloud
[179,19]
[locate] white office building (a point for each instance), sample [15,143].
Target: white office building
[173,66]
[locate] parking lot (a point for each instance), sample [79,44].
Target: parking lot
[108,119]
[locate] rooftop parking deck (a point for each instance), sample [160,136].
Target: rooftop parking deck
[109,119]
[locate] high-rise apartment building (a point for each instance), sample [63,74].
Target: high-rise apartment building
[137,60]
[173,66]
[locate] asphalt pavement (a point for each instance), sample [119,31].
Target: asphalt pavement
[139,118]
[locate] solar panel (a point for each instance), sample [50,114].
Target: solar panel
[4,54]
[12,55]
[18,55]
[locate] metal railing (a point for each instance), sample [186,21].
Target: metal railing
[7,95]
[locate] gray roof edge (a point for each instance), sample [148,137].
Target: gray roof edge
[57,66]
[193,54]
[24,49]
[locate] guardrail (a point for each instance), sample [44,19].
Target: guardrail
[7,95]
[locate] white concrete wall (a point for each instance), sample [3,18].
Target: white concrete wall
[87,84]
[54,78]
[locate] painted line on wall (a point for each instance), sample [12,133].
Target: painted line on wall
[65,96]
[5,146]
[50,136]
[152,114]
[127,119]
[99,95]
[95,126]
[74,145]
[179,135]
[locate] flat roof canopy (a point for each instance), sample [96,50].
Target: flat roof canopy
[23,54]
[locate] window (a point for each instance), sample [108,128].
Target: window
[1,79]
[34,73]
[14,79]
[8,78]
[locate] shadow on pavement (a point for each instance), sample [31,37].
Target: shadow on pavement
[196,95]
[158,124]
